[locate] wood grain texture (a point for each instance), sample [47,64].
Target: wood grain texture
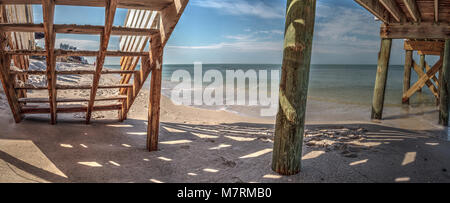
[407,74]
[445,86]
[381,79]
[110,12]
[290,121]
[48,7]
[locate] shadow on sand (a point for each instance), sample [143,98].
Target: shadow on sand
[107,151]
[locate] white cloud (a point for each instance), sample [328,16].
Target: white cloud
[241,7]
[238,46]
[341,30]
[251,41]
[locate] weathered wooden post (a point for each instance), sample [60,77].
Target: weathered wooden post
[380,82]
[407,74]
[445,86]
[422,66]
[299,29]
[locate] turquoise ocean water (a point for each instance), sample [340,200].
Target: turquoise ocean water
[343,84]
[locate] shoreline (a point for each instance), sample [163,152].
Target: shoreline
[341,144]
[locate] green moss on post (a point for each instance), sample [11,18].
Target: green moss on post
[445,86]
[380,82]
[290,122]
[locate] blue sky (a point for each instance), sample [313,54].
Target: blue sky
[246,31]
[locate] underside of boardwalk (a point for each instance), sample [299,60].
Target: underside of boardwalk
[149,23]
[423,24]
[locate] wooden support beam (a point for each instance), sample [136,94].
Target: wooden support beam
[130,4]
[375,7]
[434,78]
[69,109]
[381,79]
[138,83]
[48,7]
[5,63]
[420,72]
[75,87]
[70,100]
[76,29]
[71,72]
[60,52]
[7,81]
[394,9]
[415,31]
[407,74]
[130,63]
[424,46]
[413,10]
[436,11]
[109,19]
[290,122]
[445,86]
[168,20]
[424,79]
[155,93]
[430,53]
[422,68]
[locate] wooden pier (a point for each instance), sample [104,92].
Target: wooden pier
[423,24]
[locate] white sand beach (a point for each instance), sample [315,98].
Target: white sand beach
[200,145]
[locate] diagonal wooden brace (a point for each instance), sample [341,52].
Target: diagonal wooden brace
[435,79]
[424,79]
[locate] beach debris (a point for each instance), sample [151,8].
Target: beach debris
[340,139]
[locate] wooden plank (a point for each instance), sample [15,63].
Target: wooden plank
[415,31]
[394,9]
[60,52]
[436,11]
[445,86]
[432,53]
[420,71]
[15,42]
[375,7]
[69,100]
[7,81]
[138,82]
[69,109]
[423,79]
[407,74]
[432,46]
[110,12]
[72,72]
[21,27]
[76,29]
[413,10]
[434,78]
[130,63]
[168,20]
[130,4]
[155,93]
[48,7]
[74,87]
[381,79]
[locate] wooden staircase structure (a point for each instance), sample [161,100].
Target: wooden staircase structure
[151,21]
